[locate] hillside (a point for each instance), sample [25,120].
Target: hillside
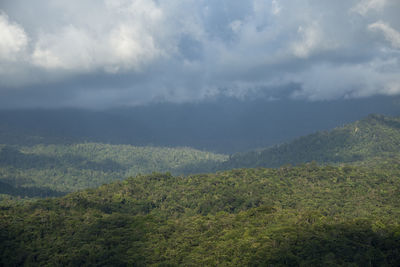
[375,136]
[49,170]
[297,216]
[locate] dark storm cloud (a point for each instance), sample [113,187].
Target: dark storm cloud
[127,52]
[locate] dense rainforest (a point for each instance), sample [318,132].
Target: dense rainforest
[308,215]
[332,198]
[375,136]
[53,169]
[50,170]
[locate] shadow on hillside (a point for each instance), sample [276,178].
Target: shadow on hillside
[11,156]
[30,192]
[350,244]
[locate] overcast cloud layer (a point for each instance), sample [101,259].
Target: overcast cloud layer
[94,53]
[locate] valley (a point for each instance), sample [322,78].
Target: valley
[199,133]
[331,197]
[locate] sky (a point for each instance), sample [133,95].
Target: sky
[109,53]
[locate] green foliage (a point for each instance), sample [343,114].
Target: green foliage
[376,136]
[297,216]
[308,215]
[66,168]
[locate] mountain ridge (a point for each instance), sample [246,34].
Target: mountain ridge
[374,136]
[66,168]
[341,214]
[221,125]
[71,167]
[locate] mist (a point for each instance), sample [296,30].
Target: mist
[224,125]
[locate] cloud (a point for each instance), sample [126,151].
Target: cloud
[276,7]
[125,44]
[390,34]
[13,40]
[126,52]
[312,40]
[325,82]
[365,6]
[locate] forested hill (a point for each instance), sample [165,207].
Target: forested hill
[375,136]
[47,170]
[307,215]
[54,168]
[291,216]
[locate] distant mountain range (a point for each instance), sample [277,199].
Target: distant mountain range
[222,125]
[375,136]
[343,214]
[56,168]
[64,168]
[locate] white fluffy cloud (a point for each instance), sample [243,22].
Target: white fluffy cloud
[311,40]
[13,39]
[133,51]
[125,43]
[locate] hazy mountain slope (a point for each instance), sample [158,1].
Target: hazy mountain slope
[71,167]
[301,216]
[373,137]
[224,125]
[77,166]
